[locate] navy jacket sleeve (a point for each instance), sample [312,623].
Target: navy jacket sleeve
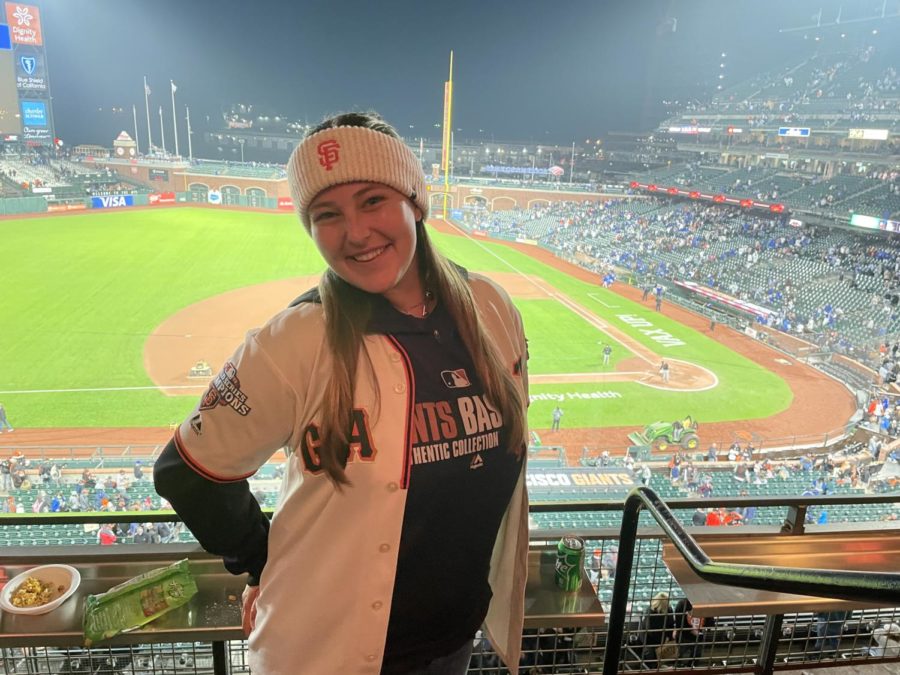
[224,516]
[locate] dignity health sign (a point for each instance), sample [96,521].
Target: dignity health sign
[24,24]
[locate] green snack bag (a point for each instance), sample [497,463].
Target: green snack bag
[137,602]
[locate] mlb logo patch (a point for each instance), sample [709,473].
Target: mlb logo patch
[455,379]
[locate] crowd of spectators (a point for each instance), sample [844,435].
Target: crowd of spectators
[758,259]
[46,486]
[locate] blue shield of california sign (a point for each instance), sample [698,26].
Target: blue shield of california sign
[28,64]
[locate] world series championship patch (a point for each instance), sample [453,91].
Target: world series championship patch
[226,390]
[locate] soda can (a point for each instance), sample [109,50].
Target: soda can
[569,561]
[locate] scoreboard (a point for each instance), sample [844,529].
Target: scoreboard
[25,110]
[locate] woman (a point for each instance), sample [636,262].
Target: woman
[656,626]
[399,386]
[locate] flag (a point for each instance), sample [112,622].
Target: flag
[174,88]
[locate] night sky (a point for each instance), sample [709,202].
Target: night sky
[535,71]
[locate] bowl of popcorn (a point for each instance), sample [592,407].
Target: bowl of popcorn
[39,590]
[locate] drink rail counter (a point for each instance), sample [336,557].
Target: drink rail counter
[214,613]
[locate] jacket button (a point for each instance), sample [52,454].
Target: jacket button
[400,388]
[377,604]
[392,487]
[371,657]
[395,357]
[384,548]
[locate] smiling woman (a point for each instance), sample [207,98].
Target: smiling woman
[366,232]
[400,386]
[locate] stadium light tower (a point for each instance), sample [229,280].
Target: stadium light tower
[241,142]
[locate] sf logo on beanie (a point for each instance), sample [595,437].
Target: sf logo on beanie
[328,153]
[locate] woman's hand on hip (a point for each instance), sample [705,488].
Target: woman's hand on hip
[248,608]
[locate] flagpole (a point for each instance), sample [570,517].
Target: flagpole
[190,151]
[162,131]
[147,108]
[572,166]
[448,130]
[174,123]
[137,145]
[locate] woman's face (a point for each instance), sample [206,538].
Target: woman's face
[367,234]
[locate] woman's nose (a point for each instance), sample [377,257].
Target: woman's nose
[357,227]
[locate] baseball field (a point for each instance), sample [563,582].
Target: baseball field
[104,315]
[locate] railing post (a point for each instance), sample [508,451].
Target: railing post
[220,658]
[616,619]
[795,520]
[768,648]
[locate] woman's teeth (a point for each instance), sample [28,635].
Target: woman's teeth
[369,255]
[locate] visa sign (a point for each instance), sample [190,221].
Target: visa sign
[112,201]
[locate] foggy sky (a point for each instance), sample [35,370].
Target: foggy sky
[536,71]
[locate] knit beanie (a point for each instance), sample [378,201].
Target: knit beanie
[353,154]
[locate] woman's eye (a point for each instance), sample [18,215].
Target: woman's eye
[374,199]
[322,216]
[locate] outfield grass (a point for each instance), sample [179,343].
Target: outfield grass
[82,293]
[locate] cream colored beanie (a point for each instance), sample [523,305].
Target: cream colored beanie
[349,154]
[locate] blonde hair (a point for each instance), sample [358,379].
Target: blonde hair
[348,310]
[660,603]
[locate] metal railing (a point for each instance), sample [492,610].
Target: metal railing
[859,586]
[736,643]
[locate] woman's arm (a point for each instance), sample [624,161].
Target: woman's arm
[223,515]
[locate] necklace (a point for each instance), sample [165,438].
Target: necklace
[414,309]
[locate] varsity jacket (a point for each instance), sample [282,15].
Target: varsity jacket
[326,567]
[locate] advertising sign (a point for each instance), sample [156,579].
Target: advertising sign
[24,24]
[799,132]
[36,134]
[34,113]
[72,206]
[214,197]
[285,203]
[868,134]
[873,223]
[492,168]
[159,174]
[158,198]
[690,130]
[580,481]
[30,72]
[112,201]
[717,296]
